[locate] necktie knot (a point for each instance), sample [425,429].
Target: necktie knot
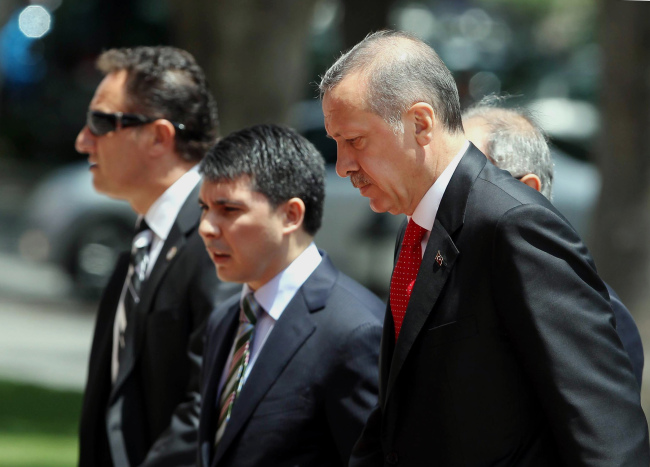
[414,234]
[250,310]
[142,238]
[140,254]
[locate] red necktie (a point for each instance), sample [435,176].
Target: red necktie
[405,272]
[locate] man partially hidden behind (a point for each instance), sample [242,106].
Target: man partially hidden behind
[499,345]
[513,141]
[290,369]
[149,123]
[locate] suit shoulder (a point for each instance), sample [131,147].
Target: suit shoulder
[354,300]
[506,189]
[496,192]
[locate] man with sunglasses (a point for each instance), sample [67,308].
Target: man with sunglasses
[149,123]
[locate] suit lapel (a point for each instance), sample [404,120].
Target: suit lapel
[185,223]
[214,362]
[99,368]
[290,332]
[102,350]
[433,272]
[428,285]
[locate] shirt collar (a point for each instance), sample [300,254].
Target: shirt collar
[163,212]
[275,295]
[427,209]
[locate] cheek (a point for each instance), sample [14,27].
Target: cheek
[260,244]
[379,168]
[243,242]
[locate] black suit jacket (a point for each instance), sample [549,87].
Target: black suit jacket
[508,353]
[313,385]
[150,415]
[629,334]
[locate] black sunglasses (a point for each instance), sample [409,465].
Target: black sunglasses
[101,123]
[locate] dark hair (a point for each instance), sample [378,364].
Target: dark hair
[166,82]
[281,165]
[399,70]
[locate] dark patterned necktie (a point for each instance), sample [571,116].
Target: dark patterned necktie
[248,315]
[139,263]
[405,273]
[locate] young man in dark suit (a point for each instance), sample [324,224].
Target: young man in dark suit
[148,125]
[513,141]
[499,345]
[290,369]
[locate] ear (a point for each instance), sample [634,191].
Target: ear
[293,212]
[532,181]
[162,135]
[423,118]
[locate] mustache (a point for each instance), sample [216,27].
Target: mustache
[359,179]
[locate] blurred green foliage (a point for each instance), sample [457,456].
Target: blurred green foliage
[38,426]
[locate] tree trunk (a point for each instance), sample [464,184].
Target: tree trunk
[361,18]
[621,234]
[254,52]
[8,8]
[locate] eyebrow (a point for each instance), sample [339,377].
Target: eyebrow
[223,201]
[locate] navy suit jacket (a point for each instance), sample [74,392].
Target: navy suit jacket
[313,385]
[508,353]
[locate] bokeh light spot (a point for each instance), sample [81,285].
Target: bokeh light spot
[34,21]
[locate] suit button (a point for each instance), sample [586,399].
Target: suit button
[392,458]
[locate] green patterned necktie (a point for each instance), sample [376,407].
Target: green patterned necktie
[241,354]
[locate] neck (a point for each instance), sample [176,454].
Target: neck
[438,155]
[445,150]
[159,181]
[298,243]
[287,253]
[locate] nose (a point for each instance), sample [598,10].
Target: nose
[85,141]
[207,227]
[346,164]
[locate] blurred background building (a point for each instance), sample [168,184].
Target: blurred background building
[582,66]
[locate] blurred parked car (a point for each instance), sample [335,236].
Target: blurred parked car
[83,232]
[73,226]
[68,223]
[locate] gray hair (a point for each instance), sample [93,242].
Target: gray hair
[400,70]
[515,142]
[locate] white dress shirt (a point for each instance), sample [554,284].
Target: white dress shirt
[160,218]
[425,212]
[273,297]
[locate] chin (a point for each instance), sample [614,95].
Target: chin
[98,186]
[378,207]
[225,277]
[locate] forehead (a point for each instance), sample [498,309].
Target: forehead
[348,94]
[345,109]
[110,95]
[350,90]
[237,190]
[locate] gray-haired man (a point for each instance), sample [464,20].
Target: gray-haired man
[513,141]
[498,347]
